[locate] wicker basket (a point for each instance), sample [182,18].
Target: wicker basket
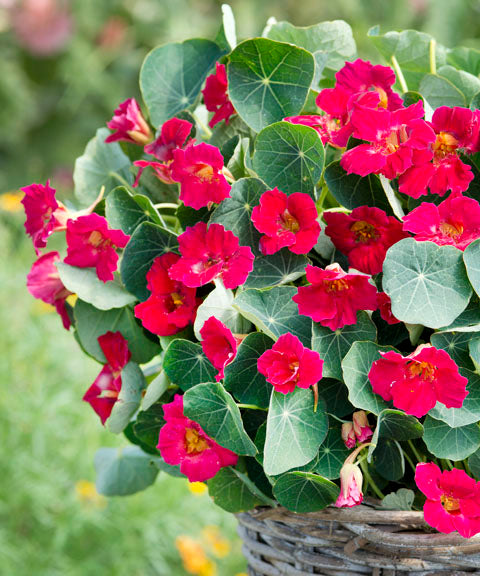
[349,542]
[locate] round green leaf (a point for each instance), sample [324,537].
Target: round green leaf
[214,409]
[474,464]
[276,269]
[471,257]
[335,394]
[439,91]
[126,211]
[427,283]
[228,490]
[456,344]
[444,441]
[290,157]
[304,492]
[268,80]
[186,365]
[332,455]
[172,76]
[388,459]
[394,425]
[466,83]
[474,348]
[469,412]
[294,431]
[147,426]
[129,398]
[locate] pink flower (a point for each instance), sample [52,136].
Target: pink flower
[395,139]
[43,282]
[348,435]
[361,427]
[289,364]
[385,308]
[174,134]
[91,243]
[44,214]
[453,499]
[128,124]
[364,236]
[456,129]
[218,344]
[199,171]
[455,222]
[183,442]
[334,297]
[211,253]
[286,221]
[103,393]
[418,381]
[172,305]
[216,97]
[351,480]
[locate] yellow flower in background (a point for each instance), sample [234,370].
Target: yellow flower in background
[87,494]
[11,201]
[194,559]
[197,488]
[219,545]
[39,308]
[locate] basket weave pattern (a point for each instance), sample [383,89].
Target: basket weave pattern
[350,542]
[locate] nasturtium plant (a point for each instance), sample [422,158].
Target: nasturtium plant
[276,262]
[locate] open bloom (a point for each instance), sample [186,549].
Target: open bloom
[456,129]
[289,364]
[286,221]
[175,133]
[385,308]
[216,97]
[209,253]
[91,243]
[455,221]
[183,442]
[351,480]
[218,344]
[334,296]
[199,171]
[453,499]
[394,139]
[172,305]
[43,282]
[364,236]
[418,381]
[103,393]
[128,124]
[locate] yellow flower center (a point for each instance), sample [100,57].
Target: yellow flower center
[97,240]
[336,285]
[204,172]
[289,222]
[364,231]
[452,230]
[425,370]
[444,144]
[194,443]
[383,97]
[177,299]
[450,504]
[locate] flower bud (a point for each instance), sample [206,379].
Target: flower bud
[361,428]
[351,480]
[348,435]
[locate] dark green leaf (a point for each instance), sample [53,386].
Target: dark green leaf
[230,492]
[186,365]
[277,269]
[148,424]
[450,443]
[394,425]
[388,459]
[469,413]
[474,464]
[332,455]
[126,211]
[456,344]
[471,257]
[335,394]
[304,492]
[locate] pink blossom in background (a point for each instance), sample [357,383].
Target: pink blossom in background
[286,221]
[454,222]
[219,344]
[171,306]
[453,499]
[351,480]
[103,393]
[198,169]
[364,236]
[183,442]
[216,97]
[415,383]
[334,296]
[91,244]
[128,124]
[43,282]
[289,364]
[385,308]
[209,253]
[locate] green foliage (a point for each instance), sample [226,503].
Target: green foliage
[304,491]
[129,398]
[469,413]
[443,441]
[332,455]
[186,365]
[229,491]
[127,211]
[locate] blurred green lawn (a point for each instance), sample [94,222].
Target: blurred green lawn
[48,438]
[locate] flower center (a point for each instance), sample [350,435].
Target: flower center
[452,230]
[425,370]
[194,443]
[97,240]
[394,139]
[445,144]
[450,504]
[364,231]
[336,285]
[289,222]
[293,367]
[383,97]
[204,172]
[109,394]
[177,299]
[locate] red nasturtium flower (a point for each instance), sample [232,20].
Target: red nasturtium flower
[199,171]
[218,344]
[43,282]
[286,221]
[128,124]
[171,306]
[174,134]
[91,243]
[103,393]
[209,253]
[455,222]
[456,129]
[453,499]
[395,140]
[364,236]
[182,441]
[348,435]
[358,430]
[415,383]
[334,296]
[351,480]
[385,308]
[216,97]
[289,364]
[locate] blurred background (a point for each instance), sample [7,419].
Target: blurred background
[64,67]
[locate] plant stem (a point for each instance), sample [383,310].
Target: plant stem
[409,460]
[414,450]
[399,73]
[375,488]
[446,463]
[205,129]
[166,205]
[433,59]
[122,180]
[321,198]
[252,407]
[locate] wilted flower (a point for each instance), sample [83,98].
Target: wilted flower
[218,344]
[216,97]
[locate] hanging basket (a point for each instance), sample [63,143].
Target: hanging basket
[349,542]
